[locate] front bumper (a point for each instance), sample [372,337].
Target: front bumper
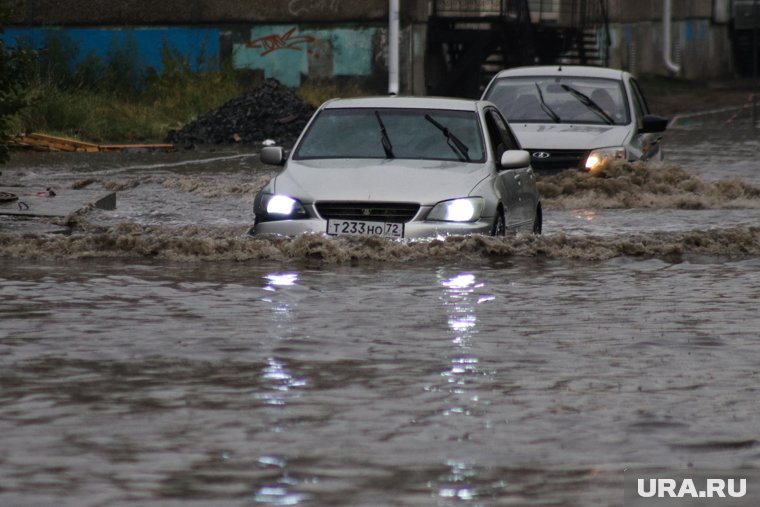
[412,230]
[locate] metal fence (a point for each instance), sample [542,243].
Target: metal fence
[572,13]
[469,7]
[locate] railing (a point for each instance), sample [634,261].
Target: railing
[480,8]
[468,7]
[578,14]
[545,11]
[566,13]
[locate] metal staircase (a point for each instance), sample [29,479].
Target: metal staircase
[586,34]
[470,40]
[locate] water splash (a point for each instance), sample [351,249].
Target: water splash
[642,185]
[195,244]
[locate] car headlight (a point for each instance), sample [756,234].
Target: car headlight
[467,209]
[598,157]
[270,207]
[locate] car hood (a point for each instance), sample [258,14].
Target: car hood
[558,136]
[423,181]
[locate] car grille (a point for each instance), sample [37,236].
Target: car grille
[377,211]
[557,160]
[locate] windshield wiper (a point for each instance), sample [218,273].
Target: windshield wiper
[545,107]
[458,146]
[387,146]
[586,101]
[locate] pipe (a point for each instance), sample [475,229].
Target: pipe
[666,44]
[393,47]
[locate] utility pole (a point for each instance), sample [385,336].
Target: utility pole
[393,47]
[754,61]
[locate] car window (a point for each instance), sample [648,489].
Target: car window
[501,138]
[639,102]
[545,99]
[506,132]
[411,134]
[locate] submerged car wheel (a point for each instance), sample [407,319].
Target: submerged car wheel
[499,227]
[538,222]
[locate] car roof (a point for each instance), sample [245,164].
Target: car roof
[406,103]
[563,70]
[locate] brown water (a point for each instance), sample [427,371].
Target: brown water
[160,356]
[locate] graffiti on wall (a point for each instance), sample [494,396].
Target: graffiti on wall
[287,53]
[275,41]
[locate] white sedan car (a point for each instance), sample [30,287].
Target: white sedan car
[577,116]
[401,167]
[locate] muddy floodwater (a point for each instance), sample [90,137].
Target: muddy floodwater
[156,355]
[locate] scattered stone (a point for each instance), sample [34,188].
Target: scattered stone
[272,111]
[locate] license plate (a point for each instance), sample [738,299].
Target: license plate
[365,228]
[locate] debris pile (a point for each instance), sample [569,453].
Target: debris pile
[271,111]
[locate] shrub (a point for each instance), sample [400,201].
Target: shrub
[14,65]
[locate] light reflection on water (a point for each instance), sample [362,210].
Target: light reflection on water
[457,482]
[279,492]
[282,279]
[280,383]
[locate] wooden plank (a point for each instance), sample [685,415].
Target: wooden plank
[59,143]
[44,142]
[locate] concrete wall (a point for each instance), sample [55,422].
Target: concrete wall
[298,40]
[700,37]
[627,11]
[701,48]
[140,12]
[288,52]
[198,44]
[290,40]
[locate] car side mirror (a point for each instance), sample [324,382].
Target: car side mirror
[515,159]
[272,155]
[651,124]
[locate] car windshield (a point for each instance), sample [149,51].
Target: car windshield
[560,100]
[387,133]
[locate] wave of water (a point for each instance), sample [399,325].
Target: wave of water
[642,185]
[624,186]
[193,243]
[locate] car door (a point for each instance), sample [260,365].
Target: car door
[506,183]
[644,145]
[521,181]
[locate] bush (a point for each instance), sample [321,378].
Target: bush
[14,65]
[117,101]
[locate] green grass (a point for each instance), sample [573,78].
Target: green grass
[87,113]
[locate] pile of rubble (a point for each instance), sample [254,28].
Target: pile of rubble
[271,111]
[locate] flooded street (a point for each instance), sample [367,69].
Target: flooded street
[158,355]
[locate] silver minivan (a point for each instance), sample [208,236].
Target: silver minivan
[577,116]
